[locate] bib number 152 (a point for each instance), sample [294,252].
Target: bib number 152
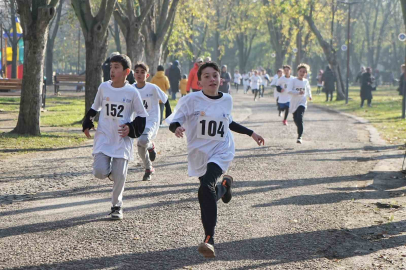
[114,110]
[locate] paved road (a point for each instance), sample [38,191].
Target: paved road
[295,206]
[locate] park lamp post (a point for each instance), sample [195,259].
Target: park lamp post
[348,46]
[402,37]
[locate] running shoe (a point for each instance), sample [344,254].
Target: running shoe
[147,176]
[116,213]
[227,182]
[207,248]
[299,140]
[152,152]
[285,122]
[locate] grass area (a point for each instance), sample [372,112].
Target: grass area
[18,144]
[61,112]
[385,113]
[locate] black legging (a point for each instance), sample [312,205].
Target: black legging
[236,86]
[209,193]
[298,119]
[331,95]
[369,101]
[286,113]
[256,93]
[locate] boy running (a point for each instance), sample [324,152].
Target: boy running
[300,90]
[206,118]
[150,95]
[122,118]
[237,79]
[255,83]
[274,82]
[264,83]
[284,97]
[246,81]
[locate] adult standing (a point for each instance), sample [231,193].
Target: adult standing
[402,80]
[207,59]
[225,80]
[192,78]
[328,79]
[174,78]
[366,87]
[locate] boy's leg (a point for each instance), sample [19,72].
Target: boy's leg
[101,165]
[161,110]
[209,193]
[299,119]
[286,113]
[142,145]
[118,175]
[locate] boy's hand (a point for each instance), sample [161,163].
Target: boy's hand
[301,92]
[283,90]
[179,132]
[124,130]
[310,98]
[87,133]
[258,139]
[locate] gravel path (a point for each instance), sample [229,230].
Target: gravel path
[306,206]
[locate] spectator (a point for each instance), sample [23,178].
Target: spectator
[207,59]
[174,78]
[366,87]
[162,82]
[319,81]
[359,75]
[402,80]
[328,79]
[192,80]
[182,85]
[225,80]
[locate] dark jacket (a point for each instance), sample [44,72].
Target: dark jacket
[225,87]
[174,76]
[329,80]
[401,84]
[366,86]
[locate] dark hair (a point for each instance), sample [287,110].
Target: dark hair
[279,70]
[206,65]
[184,76]
[305,66]
[141,65]
[160,68]
[123,59]
[286,66]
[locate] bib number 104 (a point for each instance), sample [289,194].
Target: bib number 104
[211,128]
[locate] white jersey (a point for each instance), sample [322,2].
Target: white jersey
[294,88]
[283,82]
[209,138]
[265,79]
[273,83]
[237,78]
[151,94]
[246,79]
[255,81]
[117,106]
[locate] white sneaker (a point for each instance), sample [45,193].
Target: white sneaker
[116,213]
[299,140]
[207,250]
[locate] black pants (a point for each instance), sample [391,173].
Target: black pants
[369,101]
[261,90]
[209,193]
[286,113]
[318,89]
[236,86]
[161,110]
[298,119]
[256,93]
[329,94]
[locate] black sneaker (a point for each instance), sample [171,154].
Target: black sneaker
[152,153]
[227,182]
[116,213]
[147,176]
[207,248]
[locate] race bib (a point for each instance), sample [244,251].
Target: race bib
[147,103]
[114,110]
[210,128]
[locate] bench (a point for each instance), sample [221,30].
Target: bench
[10,84]
[69,80]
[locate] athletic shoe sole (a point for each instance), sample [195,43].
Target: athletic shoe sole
[116,217]
[152,153]
[227,197]
[206,250]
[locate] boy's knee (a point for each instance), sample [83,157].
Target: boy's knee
[143,141]
[100,172]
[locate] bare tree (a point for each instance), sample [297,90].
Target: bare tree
[35,17]
[131,19]
[94,28]
[50,44]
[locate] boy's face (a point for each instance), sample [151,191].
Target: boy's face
[256,73]
[286,71]
[301,73]
[140,74]
[210,79]
[117,72]
[279,73]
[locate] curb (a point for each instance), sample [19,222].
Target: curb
[386,172]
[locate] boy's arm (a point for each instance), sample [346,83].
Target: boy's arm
[309,90]
[96,106]
[291,89]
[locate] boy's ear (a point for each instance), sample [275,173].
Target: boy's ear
[148,75]
[127,71]
[198,83]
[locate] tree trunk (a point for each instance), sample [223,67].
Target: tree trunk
[35,29]
[153,56]
[135,46]
[117,37]
[14,41]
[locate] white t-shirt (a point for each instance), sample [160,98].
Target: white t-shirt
[151,94]
[283,82]
[117,106]
[273,83]
[245,79]
[255,81]
[294,86]
[264,78]
[209,138]
[237,78]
